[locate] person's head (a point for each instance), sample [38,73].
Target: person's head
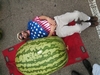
[23,35]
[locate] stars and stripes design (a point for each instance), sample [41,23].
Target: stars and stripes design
[38,28]
[43,23]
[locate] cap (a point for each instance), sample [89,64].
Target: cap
[18,34]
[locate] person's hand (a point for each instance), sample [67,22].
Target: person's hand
[52,28]
[51,21]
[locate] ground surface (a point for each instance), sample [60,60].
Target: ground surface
[16,13]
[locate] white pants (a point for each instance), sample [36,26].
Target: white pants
[63,30]
[96,69]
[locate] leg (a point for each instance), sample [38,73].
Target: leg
[83,16]
[69,30]
[84,26]
[64,19]
[86,18]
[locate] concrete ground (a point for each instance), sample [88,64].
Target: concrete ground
[16,13]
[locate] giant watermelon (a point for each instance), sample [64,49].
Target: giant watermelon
[41,56]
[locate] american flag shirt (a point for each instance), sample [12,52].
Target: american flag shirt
[38,28]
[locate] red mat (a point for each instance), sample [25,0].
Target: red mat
[76,52]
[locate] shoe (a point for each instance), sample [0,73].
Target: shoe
[88,66]
[93,24]
[92,19]
[75,73]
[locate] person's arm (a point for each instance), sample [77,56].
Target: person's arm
[50,20]
[52,30]
[50,34]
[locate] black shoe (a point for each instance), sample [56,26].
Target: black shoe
[88,66]
[92,19]
[93,24]
[75,73]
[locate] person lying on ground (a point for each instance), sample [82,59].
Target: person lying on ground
[44,26]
